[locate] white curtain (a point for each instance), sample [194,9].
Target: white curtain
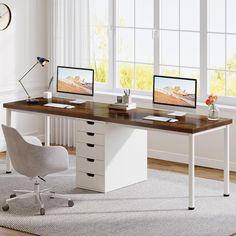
[69,45]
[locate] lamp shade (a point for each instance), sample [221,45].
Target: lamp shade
[42,61]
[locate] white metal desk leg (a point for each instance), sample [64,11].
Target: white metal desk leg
[226,162]
[8,123]
[191,166]
[47,131]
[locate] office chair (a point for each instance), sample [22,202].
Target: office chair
[35,161]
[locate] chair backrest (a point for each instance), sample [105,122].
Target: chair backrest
[30,158]
[17,148]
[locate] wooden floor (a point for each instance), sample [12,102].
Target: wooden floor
[153,164]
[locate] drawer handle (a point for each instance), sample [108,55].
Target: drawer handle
[90,122]
[90,160]
[90,145]
[90,134]
[90,175]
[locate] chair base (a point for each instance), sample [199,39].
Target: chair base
[37,194]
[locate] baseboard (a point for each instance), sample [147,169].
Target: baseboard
[2,145]
[182,158]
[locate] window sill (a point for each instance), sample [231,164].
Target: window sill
[146,101]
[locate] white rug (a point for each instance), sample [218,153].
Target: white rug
[154,207]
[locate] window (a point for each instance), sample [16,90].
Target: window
[133,39]
[222,47]
[134,44]
[180,38]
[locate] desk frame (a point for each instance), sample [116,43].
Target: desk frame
[191,151]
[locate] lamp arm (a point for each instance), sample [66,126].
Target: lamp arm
[28,71]
[24,88]
[24,77]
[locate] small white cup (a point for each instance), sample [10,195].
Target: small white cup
[47,95]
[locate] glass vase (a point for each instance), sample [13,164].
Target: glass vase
[213,112]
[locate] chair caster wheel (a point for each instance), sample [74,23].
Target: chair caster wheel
[13,195]
[70,203]
[42,211]
[5,207]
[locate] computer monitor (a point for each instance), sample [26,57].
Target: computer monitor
[73,80]
[174,91]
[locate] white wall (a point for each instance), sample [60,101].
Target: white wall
[20,44]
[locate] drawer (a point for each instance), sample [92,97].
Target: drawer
[90,181]
[90,137]
[91,126]
[89,165]
[90,151]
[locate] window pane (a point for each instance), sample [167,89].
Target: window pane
[100,71]
[144,77]
[231,52]
[216,15]
[231,84]
[144,54]
[231,16]
[216,51]
[190,15]
[169,14]
[144,13]
[99,43]
[125,13]
[189,49]
[125,44]
[169,71]
[191,74]
[99,12]
[217,82]
[169,48]
[125,75]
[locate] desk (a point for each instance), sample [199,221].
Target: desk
[111,145]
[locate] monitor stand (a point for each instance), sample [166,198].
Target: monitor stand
[177,113]
[78,101]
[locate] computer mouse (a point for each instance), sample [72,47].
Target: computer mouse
[173,120]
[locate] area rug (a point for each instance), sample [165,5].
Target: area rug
[157,206]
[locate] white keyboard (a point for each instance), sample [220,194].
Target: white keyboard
[177,113]
[157,118]
[58,105]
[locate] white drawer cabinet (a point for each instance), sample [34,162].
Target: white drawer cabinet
[108,154]
[89,150]
[91,126]
[89,165]
[90,138]
[90,181]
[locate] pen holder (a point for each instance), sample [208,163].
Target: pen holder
[127,99]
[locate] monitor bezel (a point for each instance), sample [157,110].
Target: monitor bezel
[76,68]
[172,77]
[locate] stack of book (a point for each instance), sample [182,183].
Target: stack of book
[123,106]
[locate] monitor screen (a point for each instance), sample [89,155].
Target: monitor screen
[75,80]
[175,91]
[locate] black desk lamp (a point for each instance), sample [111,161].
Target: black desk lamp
[42,62]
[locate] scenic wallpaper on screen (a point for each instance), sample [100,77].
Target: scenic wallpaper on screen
[73,80]
[174,91]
